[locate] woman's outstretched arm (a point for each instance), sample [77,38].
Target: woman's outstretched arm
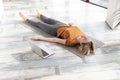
[55,40]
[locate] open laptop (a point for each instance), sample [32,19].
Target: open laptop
[41,50]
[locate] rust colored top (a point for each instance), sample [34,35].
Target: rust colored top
[70,33]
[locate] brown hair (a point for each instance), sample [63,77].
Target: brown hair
[86,48]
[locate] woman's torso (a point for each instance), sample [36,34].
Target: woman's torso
[70,33]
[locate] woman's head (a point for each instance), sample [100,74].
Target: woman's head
[86,46]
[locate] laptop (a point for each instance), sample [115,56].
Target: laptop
[41,50]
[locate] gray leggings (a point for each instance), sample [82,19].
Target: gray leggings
[46,24]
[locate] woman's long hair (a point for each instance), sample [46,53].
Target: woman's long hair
[86,48]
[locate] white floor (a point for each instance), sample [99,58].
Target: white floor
[18,62]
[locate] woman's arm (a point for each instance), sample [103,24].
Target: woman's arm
[55,40]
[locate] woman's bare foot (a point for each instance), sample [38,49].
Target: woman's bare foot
[38,13]
[22,16]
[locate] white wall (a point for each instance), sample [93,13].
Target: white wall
[1,9]
[113,15]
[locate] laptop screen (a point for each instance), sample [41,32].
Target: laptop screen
[42,51]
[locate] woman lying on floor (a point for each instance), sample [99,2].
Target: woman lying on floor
[66,34]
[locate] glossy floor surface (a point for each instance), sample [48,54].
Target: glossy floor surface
[18,62]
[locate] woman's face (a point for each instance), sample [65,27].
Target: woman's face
[84,39]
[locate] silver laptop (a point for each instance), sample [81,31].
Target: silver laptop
[41,50]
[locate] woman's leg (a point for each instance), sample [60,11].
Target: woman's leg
[50,29]
[48,20]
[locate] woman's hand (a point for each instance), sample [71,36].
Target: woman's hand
[70,24]
[37,38]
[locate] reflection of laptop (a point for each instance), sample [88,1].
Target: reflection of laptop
[41,50]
